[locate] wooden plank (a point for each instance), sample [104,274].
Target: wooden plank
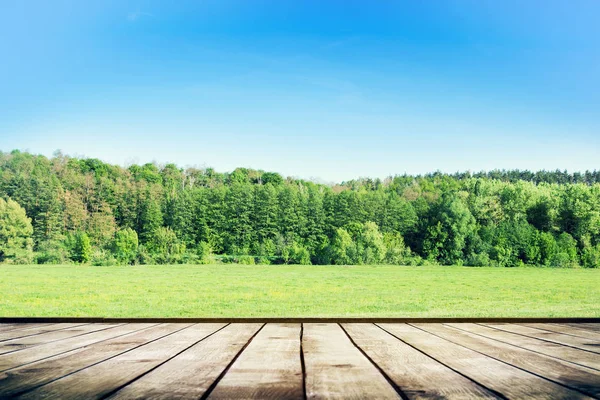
[22,379]
[504,379]
[102,379]
[29,341]
[15,326]
[565,353]
[34,330]
[590,327]
[190,374]
[335,368]
[567,340]
[269,368]
[418,375]
[43,351]
[580,378]
[567,330]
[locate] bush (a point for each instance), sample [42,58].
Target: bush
[246,260]
[102,258]
[125,246]
[80,247]
[52,252]
[478,260]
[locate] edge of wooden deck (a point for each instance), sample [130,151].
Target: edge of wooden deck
[299,320]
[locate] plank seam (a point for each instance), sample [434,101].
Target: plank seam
[540,339]
[524,348]
[381,371]
[562,333]
[511,365]
[42,333]
[79,347]
[494,392]
[101,361]
[112,392]
[302,363]
[233,360]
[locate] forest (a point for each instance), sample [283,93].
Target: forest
[81,210]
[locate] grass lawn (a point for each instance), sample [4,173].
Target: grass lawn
[297,291]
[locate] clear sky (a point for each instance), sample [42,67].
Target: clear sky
[314,88]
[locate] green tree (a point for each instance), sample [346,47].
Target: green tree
[125,245]
[80,247]
[15,233]
[450,224]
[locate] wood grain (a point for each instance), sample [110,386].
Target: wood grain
[38,329]
[554,337]
[336,369]
[269,368]
[567,330]
[120,339]
[418,375]
[580,378]
[570,354]
[190,374]
[46,350]
[102,379]
[495,375]
[13,345]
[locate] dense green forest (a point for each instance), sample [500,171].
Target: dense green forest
[66,209]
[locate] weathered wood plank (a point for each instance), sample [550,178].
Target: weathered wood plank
[121,339]
[19,326]
[495,375]
[583,325]
[565,353]
[33,354]
[190,374]
[104,378]
[418,375]
[568,340]
[269,368]
[580,378]
[34,330]
[11,346]
[335,368]
[566,330]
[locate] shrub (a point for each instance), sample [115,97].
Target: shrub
[125,245]
[52,252]
[246,260]
[80,247]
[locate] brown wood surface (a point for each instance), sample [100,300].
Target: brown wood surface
[183,360]
[190,374]
[567,330]
[47,350]
[554,337]
[418,375]
[269,367]
[102,379]
[510,381]
[106,344]
[37,329]
[565,353]
[52,336]
[576,377]
[335,368]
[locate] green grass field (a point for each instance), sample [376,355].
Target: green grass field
[297,291]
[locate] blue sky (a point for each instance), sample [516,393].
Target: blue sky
[316,89]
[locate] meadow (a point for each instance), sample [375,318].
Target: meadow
[297,291]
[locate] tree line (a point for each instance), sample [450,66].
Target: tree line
[67,209]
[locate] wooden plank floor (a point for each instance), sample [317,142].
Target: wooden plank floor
[299,360]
